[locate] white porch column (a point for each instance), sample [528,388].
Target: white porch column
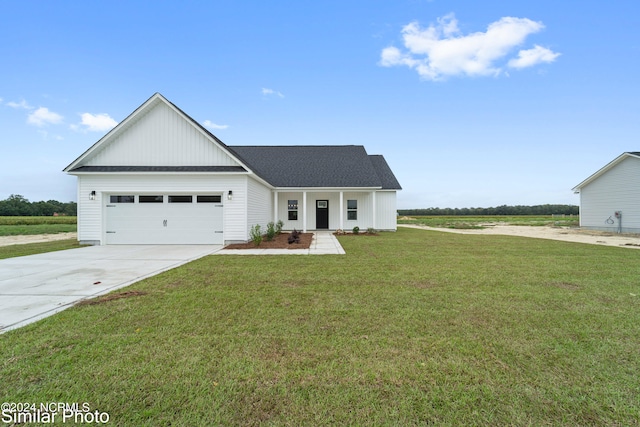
[374,209]
[304,211]
[341,211]
[275,206]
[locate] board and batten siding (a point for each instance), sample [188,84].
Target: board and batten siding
[365,210]
[387,211]
[259,205]
[161,137]
[385,208]
[617,189]
[91,213]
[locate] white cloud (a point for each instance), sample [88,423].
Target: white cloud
[96,122]
[22,104]
[531,57]
[266,91]
[441,50]
[209,124]
[42,116]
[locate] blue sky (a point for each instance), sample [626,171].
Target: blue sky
[473,104]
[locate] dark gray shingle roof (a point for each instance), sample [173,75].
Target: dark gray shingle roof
[316,166]
[389,181]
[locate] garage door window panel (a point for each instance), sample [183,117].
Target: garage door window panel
[209,199]
[180,199]
[122,199]
[151,199]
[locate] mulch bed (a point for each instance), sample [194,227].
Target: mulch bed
[279,242]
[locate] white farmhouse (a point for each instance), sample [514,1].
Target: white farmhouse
[159,177]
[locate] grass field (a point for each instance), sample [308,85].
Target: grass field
[30,225]
[469,222]
[409,328]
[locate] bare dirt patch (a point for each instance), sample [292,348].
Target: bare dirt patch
[111,297]
[279,242]
[35,238]
[565,234]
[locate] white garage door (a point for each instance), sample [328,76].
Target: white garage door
[163,219]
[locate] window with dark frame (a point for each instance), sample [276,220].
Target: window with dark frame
[122,199]
[352,210]
[292,209]
[150,199]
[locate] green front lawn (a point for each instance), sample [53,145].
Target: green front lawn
[12,251]
[409,328]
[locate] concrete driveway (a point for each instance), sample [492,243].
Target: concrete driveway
[36,286]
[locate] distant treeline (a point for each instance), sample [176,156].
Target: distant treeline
[498,210]
[17,205]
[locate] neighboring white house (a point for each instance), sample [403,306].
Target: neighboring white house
[610,198]
[159,177]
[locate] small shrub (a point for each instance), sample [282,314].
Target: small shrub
[271,231]
[256,235]
[371,230]
[356,230]
[294,237]
[279,226]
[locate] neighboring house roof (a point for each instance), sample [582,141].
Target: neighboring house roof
[606,168]
[327,166]
[330,166]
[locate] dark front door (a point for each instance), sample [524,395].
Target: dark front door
[322,214]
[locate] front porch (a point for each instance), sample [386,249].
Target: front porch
[331,209]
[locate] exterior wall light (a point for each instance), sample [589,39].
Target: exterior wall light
[230,195]
[92,195]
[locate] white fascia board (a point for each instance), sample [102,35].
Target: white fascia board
[327,189]
[156,173]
